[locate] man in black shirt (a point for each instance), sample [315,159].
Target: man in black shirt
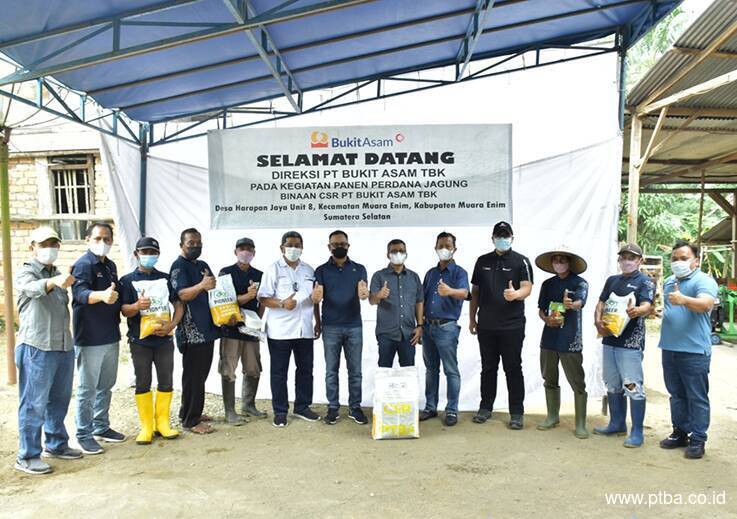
[501,281]
[235,345]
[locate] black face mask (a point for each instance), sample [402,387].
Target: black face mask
[340,252]
[192,253]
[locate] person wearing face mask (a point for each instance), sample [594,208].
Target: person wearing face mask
[286,290]
[234,345]
[44,356]
[501,281]
[622,356]
[398,293]
[561,340]
[341,285]
[156,349]
[96,320]
[444,288]
[191,278]
[685,341]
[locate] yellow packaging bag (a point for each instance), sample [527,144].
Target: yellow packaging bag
[615,316]
[159,313]
[224,302]
[396,404]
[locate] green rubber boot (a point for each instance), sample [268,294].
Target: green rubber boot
[580,400]
[552,399]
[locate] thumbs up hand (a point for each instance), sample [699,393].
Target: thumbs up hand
[143,303]
[632,311]
[567,301]
[363,291]
[676,297]
[208,280]
[443,289]
[289,303]
[384,292]
[510,294]
[317,293]
[109,295]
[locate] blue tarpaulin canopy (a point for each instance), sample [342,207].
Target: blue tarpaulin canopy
[161,60]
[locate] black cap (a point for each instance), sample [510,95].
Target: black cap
[502,229]
[632,248]
[248,242]
[147,243]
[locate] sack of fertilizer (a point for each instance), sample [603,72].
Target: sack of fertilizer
[159,313]
[224,302]
[615,316]
[396,404]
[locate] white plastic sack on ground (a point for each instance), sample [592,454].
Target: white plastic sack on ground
[396,404]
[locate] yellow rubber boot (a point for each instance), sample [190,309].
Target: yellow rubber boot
[163,404]
[145,404]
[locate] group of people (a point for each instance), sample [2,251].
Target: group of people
[305,303]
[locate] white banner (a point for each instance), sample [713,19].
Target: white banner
[360,176]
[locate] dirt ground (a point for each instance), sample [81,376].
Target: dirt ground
[314,470]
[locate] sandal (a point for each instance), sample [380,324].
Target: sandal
[205,418]
[202,428]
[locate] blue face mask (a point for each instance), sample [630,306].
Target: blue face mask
[503,244]
[147,262]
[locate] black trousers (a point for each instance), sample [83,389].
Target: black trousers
[196,362]
[160,356]
[506,345]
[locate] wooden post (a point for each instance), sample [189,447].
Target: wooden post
[634,177]
[7,258]
[734,235]
[701,211]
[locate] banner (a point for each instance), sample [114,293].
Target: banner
[360,176]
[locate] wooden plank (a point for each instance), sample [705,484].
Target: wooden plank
[653,135]
[723,203]
[701,88]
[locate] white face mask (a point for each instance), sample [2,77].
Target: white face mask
[398,258]
[47,255]
[444,254]
[100,248]
[292,253]
[681,269]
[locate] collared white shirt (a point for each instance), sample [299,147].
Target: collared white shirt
[280,281]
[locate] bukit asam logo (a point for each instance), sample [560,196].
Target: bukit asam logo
[320,139]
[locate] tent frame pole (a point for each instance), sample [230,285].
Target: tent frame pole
[143,137]
[8,311]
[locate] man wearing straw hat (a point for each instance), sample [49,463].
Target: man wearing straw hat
[561,299]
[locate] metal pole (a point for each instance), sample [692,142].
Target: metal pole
[622,78]
[7,258]
[143,137]
[634,177]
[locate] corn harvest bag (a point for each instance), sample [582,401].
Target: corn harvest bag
[615,316]
[224,302]
[396,404]
[558,312]
[159,313]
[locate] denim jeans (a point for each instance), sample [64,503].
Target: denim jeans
[622,367]
[97,369]
[388,347]
[281,352]
[45,387]
[350,340]
[440,343]
[687,380]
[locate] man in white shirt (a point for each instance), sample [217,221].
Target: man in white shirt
[286,290]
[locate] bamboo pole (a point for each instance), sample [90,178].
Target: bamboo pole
[7,258]
[701,210]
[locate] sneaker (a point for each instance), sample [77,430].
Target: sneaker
[357,415]
[307,414]
[33,466]
[332,417]
[280,420]
[694,451]
[516,422]
[451,419]
[90,446]
[110,436]
[482,416]
[67,453]
[426,414]
[676,439]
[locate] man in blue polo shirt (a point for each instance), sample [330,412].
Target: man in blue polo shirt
[96,321]
[685,338]
[341,285]
[445,287]
[622,356]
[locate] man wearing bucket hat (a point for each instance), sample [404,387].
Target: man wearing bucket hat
[622,355]
[44,356]
[561,299]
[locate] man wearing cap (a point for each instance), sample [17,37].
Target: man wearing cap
[561,300]
[501,281]
[685,341]
[191,278]
[44,356]
[622,355]
[96,319]
[341,285]
[234,345]
[445,287]
[138,294]
[286,290]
